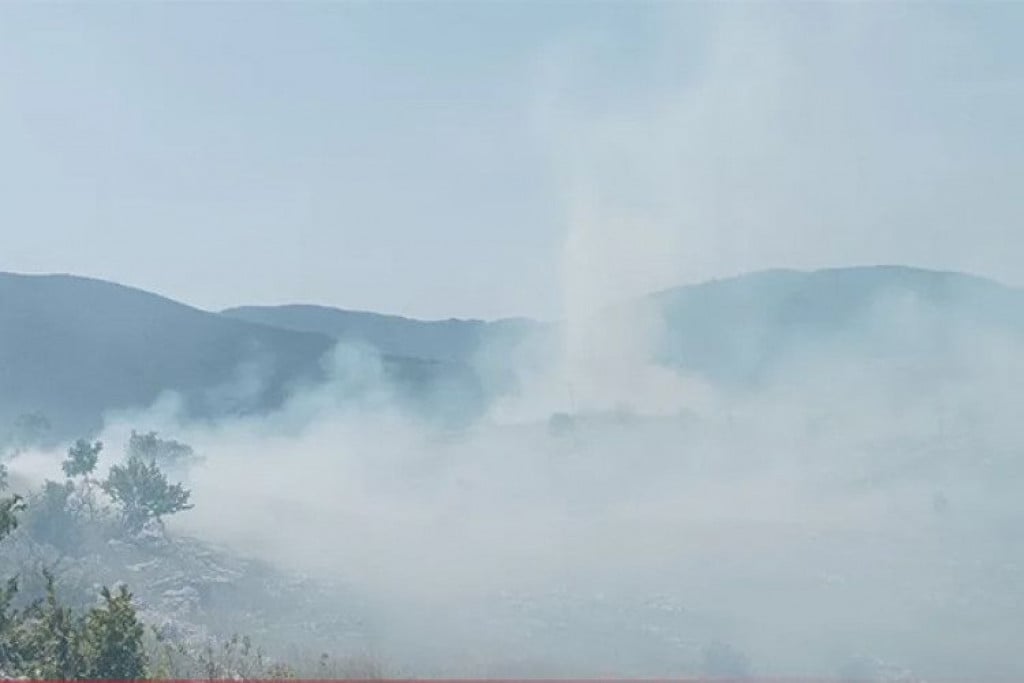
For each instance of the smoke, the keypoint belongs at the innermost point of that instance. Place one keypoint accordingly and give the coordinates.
(839, 511)
(835, 513)
(611, 513)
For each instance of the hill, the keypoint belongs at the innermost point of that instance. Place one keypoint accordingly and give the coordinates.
(755, 327)
(739, 330)
(72, 348)
(440, 340)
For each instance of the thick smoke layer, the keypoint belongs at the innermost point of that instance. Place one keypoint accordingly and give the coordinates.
(844, 515)
(615, 515)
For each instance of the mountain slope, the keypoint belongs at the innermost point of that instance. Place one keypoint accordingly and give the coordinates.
(737, 330)
(753, 326)
(441, 340)
(73, 347)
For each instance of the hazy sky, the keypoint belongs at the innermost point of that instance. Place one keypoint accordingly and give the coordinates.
(502, 159)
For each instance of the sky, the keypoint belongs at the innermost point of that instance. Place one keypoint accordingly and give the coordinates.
(503, 159)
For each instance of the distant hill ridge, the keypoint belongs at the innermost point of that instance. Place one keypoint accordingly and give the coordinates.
(71, 347)
(452, 339)
(745, 327)
(74, 347)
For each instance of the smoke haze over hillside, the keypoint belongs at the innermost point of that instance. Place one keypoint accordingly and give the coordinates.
(624, 521)
(784, 473)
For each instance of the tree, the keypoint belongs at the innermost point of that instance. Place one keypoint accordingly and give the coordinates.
(53, 517)
(82, 458)
(54, 513)
(112, 639)
(8, 519)
(47, 640)
(143, 493)
(81, 462)
(9, 507)
(50, 642)
(165, 452)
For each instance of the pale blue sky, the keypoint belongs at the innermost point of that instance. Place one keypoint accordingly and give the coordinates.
(436, 159)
